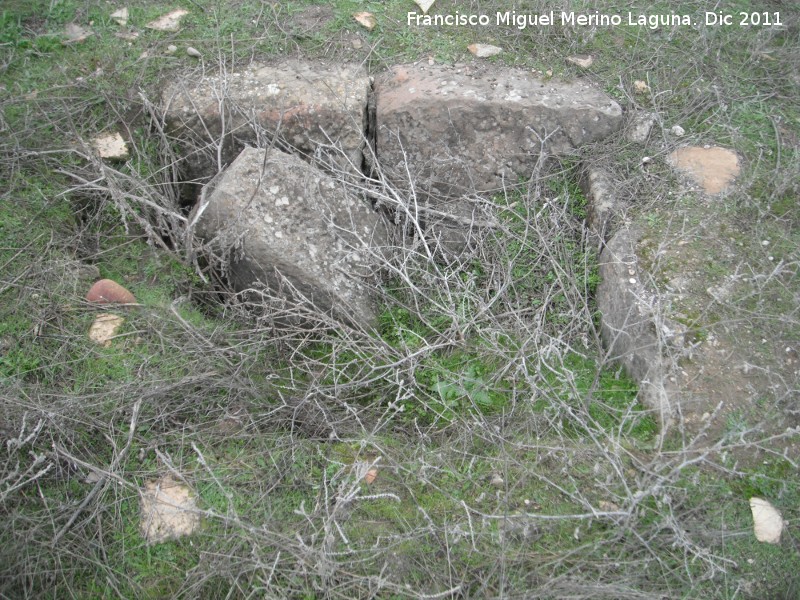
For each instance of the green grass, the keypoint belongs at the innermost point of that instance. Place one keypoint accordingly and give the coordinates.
(495, 445)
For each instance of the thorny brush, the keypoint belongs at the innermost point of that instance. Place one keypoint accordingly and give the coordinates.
(497, 475)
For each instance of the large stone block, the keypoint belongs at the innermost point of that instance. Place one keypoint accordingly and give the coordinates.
(271, 219)
(303, 107)
(633, 326)
(457, 133)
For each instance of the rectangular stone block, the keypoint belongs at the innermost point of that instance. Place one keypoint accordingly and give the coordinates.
(298, 107)
(275, 223)
(456, 133)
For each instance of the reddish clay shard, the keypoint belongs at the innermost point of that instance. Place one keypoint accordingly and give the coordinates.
(107, 291)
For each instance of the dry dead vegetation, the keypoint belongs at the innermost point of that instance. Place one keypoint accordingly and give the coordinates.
(480, 444)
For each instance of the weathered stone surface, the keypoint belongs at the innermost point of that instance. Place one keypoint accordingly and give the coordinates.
(366, 19)
(632, 326)
(111, 146)
(598, 186)
(693, 374)
(107, 291)
(304, 107)
(640, 126)
(281, 222)
(457, 133)
(453, 227)
(584, 61)
(104, 328)
(677, 131)
(168, 510)
(120, 16)
(714, 168)
(768, 523)
(168, 22)
(484, 50)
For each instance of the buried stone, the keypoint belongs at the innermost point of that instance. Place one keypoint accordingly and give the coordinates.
(440, 135)
(446, 138)
(447, 133)
(307, 108)
(289, 235)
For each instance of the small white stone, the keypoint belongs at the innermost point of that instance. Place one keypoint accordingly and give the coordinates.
(366, 20)
(765, 243)
(111, 145)
(632, 280)
(767, 521)
(169, 22)
(582, 61)
(105, 328)
(120, 16)
(484, 50)
(678, 131)
(168, 510)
